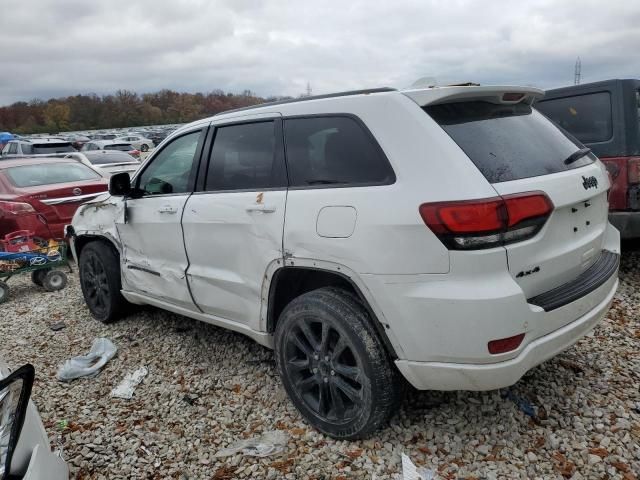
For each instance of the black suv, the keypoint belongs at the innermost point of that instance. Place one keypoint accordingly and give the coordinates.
(605, 116)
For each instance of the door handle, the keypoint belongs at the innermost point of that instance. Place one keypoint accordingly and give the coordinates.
(167, 209)
(260, 207)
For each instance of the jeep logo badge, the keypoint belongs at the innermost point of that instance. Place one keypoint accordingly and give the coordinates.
(589, 182)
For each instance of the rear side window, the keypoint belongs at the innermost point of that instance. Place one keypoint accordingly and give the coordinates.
(586, 117)
(244, 157)
(333, 151)
(13, 148)
(507, 142)
(49, 174)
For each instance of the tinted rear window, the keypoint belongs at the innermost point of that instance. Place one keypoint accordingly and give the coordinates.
(586, 117)
(333, 150)
(123, 147)
(106, 158)
(46, 148)
(507, 142)
(49, 174)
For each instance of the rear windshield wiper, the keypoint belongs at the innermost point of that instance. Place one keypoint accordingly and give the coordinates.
(575, 156)
(321, 181)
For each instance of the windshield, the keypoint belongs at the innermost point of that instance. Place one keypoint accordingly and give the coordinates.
(507, 142)
(48, 174)
(48, 148)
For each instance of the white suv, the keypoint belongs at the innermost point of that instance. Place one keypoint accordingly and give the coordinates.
(451, 236)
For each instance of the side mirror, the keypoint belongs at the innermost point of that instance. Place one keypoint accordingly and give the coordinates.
(15, 391)
(120, 184)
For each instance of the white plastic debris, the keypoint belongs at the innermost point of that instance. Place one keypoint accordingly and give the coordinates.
(101, 352)
(128, 385)
(269, 443)
(411, 472)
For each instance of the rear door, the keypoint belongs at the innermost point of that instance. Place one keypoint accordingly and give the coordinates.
(233, 226)
(518, 150)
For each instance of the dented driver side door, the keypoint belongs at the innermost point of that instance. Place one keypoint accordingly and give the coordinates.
(154, 257)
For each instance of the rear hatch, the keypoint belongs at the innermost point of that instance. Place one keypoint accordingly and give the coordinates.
(519, 151)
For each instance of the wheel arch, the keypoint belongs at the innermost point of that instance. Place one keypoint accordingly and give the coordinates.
(291, 280)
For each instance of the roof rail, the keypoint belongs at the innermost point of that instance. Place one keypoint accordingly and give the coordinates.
(313, 97)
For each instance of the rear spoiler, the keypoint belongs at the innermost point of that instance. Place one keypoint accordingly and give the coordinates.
(499, 94)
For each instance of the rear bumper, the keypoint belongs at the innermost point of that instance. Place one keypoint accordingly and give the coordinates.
(627, 222)
(458, 376)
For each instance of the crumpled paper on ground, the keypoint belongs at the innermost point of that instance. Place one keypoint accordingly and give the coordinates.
(131, 381)
(269, 443)
(102, 350)
(411, 472)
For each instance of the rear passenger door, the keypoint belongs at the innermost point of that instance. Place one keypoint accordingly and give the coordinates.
(233, 225)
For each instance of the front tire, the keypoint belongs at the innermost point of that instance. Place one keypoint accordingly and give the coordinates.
(100, 281)
(334, 366)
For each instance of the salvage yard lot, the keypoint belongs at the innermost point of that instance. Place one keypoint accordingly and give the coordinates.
(208, 387)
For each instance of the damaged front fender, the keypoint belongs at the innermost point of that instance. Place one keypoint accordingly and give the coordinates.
(98, 218)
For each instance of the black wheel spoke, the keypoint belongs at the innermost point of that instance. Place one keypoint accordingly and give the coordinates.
(302, 345)
(324, 399)
(311, 339)
(338, 403)
(324, 339)
(339, 348)
(306, 384)
(351, 373)
(299, 364)
(351, 393)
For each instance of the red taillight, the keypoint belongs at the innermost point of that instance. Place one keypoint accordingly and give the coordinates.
(16, 208)
(633, 170)
(476, 224)
(504, 345)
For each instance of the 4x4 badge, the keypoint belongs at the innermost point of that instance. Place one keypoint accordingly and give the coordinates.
(589, 182)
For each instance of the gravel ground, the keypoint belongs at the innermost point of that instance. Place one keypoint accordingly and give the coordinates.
(576, 416)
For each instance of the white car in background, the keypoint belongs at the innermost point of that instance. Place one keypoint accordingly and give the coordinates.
(139, 142)
(25, 451)
(108, 161)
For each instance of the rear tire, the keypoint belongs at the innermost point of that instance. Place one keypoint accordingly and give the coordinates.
(100, 281)
(54, 280)
(4, 292)
(37, 276)
(144, 147)
(334, 366)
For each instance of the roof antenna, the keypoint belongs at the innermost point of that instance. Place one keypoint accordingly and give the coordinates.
(577, 72)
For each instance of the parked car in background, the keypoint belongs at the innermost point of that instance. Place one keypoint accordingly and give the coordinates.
(110, 161)
(96, 145)
(25, 451)
(103, 136)
(605, 116)
(139, 142)
(77, 141)
(35, 146)
(452, 236)
(42, 194)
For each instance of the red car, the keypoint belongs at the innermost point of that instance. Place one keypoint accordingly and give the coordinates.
(42, 194)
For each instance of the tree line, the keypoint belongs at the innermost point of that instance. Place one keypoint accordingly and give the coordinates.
(122, 109)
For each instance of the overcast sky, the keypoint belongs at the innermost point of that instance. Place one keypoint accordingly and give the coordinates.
(52, 48)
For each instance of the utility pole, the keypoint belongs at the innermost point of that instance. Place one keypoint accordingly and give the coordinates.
(577, 72)
(308, 89)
